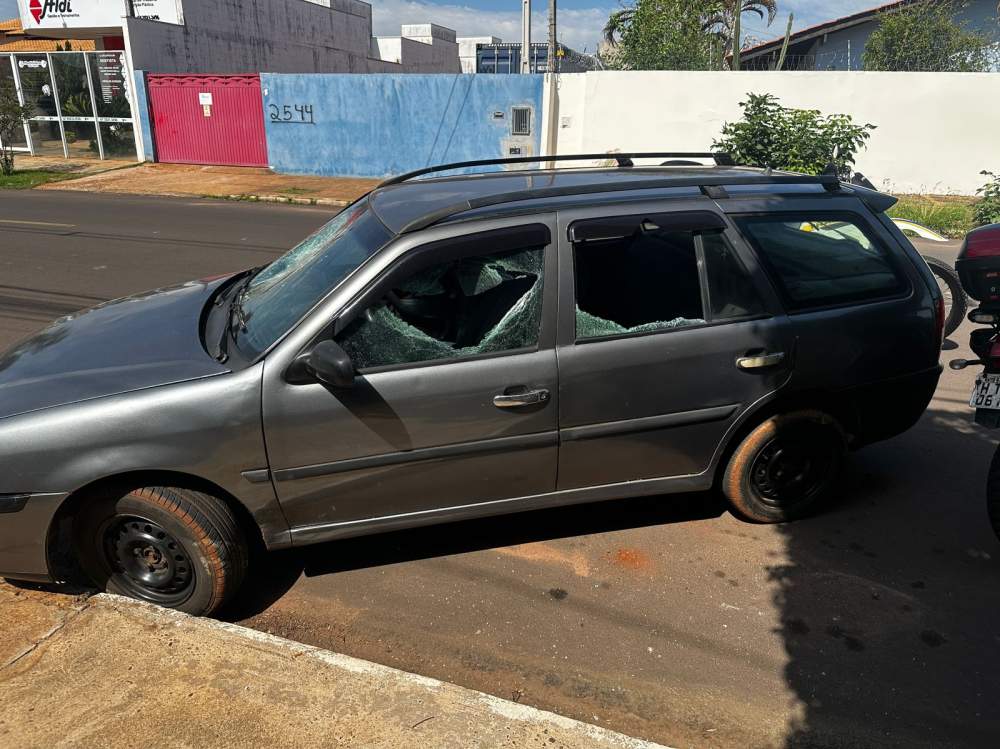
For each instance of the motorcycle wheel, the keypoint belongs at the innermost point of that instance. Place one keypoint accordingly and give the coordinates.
(955, 302)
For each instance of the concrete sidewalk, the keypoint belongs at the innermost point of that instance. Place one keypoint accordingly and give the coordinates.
(242, 183)
(105, 671)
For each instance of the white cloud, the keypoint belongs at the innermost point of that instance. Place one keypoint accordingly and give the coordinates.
(579, 28)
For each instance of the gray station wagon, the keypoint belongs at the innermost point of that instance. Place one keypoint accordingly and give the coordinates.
(460, 346)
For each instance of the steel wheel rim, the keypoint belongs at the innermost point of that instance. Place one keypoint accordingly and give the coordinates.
(785, 474)
(146, 561)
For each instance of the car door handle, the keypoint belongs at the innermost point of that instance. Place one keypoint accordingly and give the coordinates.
(519, 400)
(760, 361)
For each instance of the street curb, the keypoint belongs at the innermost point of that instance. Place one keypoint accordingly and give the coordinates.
(283, 199)
(503, 709)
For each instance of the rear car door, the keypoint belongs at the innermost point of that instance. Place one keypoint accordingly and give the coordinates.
(455, 402)
(863, 313)
(668, 334)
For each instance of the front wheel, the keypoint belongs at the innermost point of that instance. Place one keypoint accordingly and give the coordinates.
(177, 548)
(955, 302)
(785, 467)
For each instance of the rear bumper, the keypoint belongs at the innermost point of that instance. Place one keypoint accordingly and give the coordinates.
(889, 408)
(24, 538)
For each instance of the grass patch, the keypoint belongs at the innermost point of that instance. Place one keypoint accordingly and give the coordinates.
(950, 215)
(25, 179)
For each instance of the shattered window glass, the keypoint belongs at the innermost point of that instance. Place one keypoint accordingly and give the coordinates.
(637, 284)
(462, 308)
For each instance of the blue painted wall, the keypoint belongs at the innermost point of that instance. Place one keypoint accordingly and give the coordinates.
(144, 122)
(378, 125)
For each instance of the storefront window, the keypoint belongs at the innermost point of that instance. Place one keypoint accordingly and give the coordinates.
(119, 140)
(36, 83)
(81, 139)
(7, 78)
(93, 115)
(110, 80)
(71, 82)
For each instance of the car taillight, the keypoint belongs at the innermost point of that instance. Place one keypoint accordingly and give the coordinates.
(939, 319)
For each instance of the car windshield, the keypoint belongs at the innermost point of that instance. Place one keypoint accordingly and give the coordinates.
(281, 294)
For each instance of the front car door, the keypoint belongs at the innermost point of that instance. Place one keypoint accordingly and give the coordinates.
(455, 402)
(668, 335)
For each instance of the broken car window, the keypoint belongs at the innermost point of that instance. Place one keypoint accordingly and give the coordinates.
(641, 283)
(462, 308)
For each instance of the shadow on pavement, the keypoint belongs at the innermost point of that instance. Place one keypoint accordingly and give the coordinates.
(272, 575)
(890, 603)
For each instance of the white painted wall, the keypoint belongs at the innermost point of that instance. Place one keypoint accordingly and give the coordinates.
(936, 131)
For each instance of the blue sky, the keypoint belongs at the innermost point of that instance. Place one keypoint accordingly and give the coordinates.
(580, 21)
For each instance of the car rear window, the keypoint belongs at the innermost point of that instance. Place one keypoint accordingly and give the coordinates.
(822, 260)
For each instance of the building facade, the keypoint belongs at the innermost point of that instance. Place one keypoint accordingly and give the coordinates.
(839, 44)
(86, 101)
(488, 55)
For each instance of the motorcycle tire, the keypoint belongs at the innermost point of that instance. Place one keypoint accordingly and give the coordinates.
(955, 302)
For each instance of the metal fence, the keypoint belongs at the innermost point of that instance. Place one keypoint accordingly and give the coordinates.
(84, 103)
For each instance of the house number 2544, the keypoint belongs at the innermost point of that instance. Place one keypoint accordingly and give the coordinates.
(293, 114)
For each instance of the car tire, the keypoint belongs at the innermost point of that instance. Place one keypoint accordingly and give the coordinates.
(785, 467)
(176, 548)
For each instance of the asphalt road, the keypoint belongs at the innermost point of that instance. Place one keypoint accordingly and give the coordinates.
(874, 624)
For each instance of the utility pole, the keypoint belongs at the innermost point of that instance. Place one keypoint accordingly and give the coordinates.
(552, 36)
(788, 39)
(525, 36)
(737, 41)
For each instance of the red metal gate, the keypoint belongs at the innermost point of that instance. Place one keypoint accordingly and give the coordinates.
(208, 119)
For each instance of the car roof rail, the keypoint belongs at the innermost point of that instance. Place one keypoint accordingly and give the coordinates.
(624, 160)
(713, 185)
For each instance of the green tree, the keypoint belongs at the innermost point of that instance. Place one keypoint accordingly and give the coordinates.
(12, 118)
(987, 208)
(678, 34)
(925, 36)
(797, 140)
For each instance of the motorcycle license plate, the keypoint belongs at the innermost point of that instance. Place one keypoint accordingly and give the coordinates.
(986, 393)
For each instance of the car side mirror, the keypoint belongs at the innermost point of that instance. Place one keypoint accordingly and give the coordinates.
(330, 365)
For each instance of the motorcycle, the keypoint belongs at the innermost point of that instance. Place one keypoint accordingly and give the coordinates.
(955, 301)
(979, 272)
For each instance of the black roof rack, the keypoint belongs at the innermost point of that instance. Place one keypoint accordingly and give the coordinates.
(623, 159)
(712, 185)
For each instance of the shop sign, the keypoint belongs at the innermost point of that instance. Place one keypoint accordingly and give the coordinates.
(78, 14)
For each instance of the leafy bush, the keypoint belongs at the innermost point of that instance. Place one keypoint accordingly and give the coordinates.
(925, 36)
(951, 216)
(987, 208)
(798, 140)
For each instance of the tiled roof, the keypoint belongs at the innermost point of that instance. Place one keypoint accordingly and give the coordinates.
(12, 39)
(827, 26)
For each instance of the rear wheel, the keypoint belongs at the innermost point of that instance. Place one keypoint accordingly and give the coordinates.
(785, 467)
(173, 547)
(955, 302)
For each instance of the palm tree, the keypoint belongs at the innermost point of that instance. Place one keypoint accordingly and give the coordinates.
(718, 17)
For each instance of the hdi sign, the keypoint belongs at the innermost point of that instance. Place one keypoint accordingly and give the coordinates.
(79, 14)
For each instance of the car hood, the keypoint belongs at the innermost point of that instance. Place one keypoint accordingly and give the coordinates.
(129, 344)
